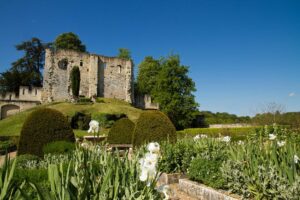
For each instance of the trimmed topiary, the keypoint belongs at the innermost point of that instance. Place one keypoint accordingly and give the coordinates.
(42, 127)
(153, 126)
(121, 132)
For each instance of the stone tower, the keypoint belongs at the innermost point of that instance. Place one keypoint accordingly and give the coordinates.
(101, 76)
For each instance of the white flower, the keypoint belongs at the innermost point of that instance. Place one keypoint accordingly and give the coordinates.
(153, 147)
(149, 162)
(144, 175)
(240, 142)
(94, 127)
(203, 136)
(281, 143)
(296, 159)
(197, 137)
(272, 136)
(85, 145)
(226, 139)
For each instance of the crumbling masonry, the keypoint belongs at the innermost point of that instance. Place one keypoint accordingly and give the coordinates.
(101, 76)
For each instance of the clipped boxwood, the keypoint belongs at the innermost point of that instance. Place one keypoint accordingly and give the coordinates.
(121, 132)
(42, 127)
(59, 147)
(153, 126)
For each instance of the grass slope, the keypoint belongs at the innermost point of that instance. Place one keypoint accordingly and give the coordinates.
(11, 126)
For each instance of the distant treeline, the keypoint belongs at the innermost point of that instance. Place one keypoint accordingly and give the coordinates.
(205, 118)
(288, 118)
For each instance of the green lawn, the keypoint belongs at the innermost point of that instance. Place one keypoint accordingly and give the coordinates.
(11, 126)
(235, 133)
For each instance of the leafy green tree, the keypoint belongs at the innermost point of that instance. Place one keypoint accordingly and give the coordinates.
(75, 81)
(148, 71)
(174, 92)
(124, 53)
(168, 83)
(69, 41)
(26, 70)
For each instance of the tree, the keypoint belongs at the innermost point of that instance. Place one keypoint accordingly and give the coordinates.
(168, 84)
(10, 81)
(148, 71)
(124, 53)
(26, 70)
(69, 41)
(75, 81)
(269, 113)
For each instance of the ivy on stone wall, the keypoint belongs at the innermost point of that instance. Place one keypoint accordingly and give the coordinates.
(75, 81)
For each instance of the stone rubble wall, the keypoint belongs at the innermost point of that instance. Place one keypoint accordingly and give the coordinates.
(25, 94)
(101, 76)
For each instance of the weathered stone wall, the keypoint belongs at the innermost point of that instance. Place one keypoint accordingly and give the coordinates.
(25, 94)
(101, 76)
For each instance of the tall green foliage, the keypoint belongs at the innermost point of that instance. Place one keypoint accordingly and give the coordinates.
(69, 41)
(124, 53)
(75, 81)
(168, 83)
(27, 69)
(147, 76)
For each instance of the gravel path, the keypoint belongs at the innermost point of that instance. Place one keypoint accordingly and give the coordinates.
(178, 194)
(11, 155)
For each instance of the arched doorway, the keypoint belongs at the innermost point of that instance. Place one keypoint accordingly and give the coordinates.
(8, 110)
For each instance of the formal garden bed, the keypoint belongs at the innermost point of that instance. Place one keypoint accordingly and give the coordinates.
(53, 164)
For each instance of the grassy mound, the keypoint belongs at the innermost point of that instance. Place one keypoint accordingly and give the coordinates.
(12, 125)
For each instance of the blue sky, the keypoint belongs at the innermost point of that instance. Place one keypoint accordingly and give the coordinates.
(241, 54)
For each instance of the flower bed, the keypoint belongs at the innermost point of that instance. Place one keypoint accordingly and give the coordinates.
(265, 166)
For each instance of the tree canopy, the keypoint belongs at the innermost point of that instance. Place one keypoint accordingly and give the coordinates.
(26, 70)
(168, 83)
(124, 53)
(69, 41)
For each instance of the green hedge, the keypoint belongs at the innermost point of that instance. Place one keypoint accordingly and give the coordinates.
(234, 133)
(59, 147)
(153, 126)
(121, 132)
(42, 127)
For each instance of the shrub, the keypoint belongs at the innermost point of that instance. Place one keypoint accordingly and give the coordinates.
(207, 171)
(153, 126)
(121, 132)
(42, 127)
(107, 120)
(83, 101)
(75, 81)
(177, 157)
(22, 160)
(205, 168)
(59, 147)
(80, 121)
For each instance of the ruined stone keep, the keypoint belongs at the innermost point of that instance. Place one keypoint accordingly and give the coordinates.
(101, 76)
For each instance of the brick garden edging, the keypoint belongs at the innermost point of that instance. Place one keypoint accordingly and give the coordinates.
(203, 192)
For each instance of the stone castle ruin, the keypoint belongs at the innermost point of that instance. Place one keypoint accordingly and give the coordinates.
(100, 76)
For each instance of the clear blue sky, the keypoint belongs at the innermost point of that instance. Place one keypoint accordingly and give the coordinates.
(241, 53)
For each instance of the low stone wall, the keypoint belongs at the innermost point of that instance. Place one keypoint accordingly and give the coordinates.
(203, 192)
(170, 178)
